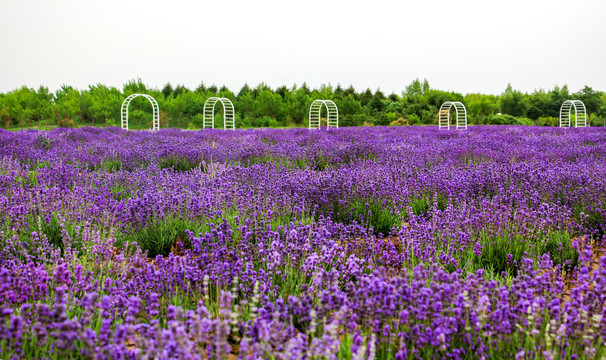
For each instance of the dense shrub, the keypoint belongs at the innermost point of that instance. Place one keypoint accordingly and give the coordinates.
(66, 123)
(352, 120)
(5, 118)
(399, 122)
(413, 119)
(597, 121)
(547, 121)
(507, 120)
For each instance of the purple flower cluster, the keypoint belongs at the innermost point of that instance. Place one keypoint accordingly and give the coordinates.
(357, 243)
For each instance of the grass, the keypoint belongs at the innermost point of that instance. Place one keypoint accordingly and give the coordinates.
(422, 204)
(177, 163)
(502, 254)
(43, 142)
(58, 231)
(112, 165)
(161, 235)
(369, 212)
(30, 180)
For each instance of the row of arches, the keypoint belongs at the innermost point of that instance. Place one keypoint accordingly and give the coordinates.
(229, 122)
(566, 110)
(208, 117)
(332, 113)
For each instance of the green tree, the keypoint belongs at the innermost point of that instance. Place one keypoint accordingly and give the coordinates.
(349, 106)
(592, 100)
(105, 104)
(349, 91)
(86, 108)
(425, 86)
(5, 118)
(415, 89)
(339, 93)
(298, 104)
(366, 97)
(226, 93)
(305, 89)
(556, 97)
(268, 103)
(167, 90)
(435, 98)
(245, 105)
(377, 102)
(537, 104)
(481, 106)
(244, 90)
(513, 102)
(193, 104)
(135, 86)
(325, 92)
(282, 90)
(67, 103)
(201, 88)
(602, 111)
(44, 106)
(398, 106)
(180, 90)
(26, 105)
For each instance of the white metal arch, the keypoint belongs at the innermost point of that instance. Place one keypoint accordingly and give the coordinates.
(580, 113)
(332, 116)
(209, 113)
(156, 110)
(444, 115)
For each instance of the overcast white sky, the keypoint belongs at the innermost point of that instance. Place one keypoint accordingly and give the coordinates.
(466, 46)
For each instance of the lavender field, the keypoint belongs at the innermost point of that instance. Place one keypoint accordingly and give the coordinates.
(359, 243)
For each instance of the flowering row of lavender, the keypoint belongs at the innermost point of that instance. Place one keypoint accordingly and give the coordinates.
(361, 243)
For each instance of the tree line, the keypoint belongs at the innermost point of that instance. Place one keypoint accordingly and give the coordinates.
(262, 106)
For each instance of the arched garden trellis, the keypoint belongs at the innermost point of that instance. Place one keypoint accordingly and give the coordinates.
(332, 114)
(209, 113)
(155, 107)
(444, 115)
(580, 113)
